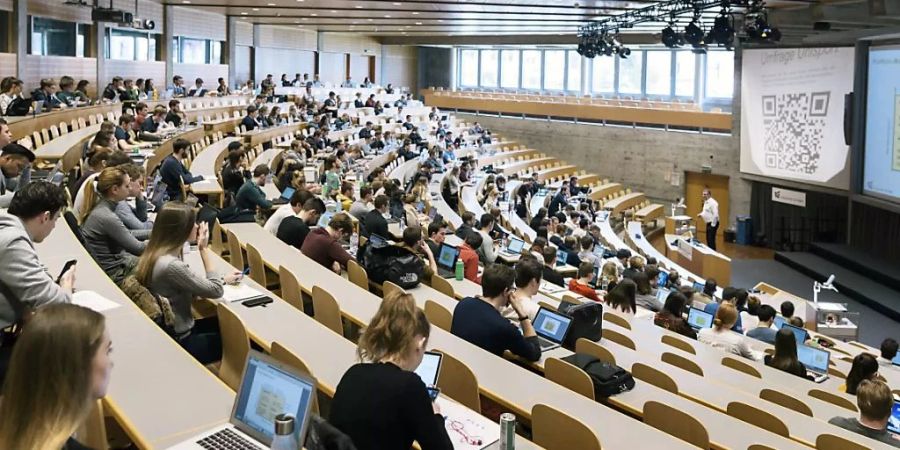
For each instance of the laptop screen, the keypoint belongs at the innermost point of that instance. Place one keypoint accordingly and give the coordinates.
(814, 359)
(551, 325)
(662, 278)
(266, 391)
(287, 193)
(515, 246)
(894, 421)
(779, 322)
(377, 240)
(896, 359)
(561, 257)
(698, 286)
(662, 294)
(699, 318)
(447, 257)
(799, 333)
(324, 219)
(429, 368)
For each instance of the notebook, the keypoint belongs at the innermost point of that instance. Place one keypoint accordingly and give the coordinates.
(551, 328)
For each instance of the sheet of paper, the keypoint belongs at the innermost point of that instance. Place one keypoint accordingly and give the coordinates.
(468, 430)
(238, 292)
(93, 300)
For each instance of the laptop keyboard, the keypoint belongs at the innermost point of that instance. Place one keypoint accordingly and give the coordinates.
(545, 343)
(226, 439)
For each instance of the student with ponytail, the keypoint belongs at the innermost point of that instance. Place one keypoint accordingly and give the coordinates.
(720, 335)
(112, 244)
(398, 411)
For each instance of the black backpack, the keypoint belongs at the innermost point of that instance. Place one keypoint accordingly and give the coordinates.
(386, 262)
(587, 322)
(609, 379)
(18, 107)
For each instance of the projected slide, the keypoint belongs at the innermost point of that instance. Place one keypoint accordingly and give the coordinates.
(792, 113)
(881, 165)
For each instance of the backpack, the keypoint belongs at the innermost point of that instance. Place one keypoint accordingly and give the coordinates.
(18, 107)
(609, 379)
(386, 262)
(587, 322)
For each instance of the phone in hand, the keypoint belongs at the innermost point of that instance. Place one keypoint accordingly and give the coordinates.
(65, 269)
(433, 392)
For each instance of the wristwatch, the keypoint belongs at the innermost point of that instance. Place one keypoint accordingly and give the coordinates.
(523, 318)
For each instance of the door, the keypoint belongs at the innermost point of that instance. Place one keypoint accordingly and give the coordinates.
(695, 183)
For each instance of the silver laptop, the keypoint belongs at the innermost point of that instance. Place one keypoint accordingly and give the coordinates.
(268, 389)
(551, 328)
(514, 247)
(815, 360)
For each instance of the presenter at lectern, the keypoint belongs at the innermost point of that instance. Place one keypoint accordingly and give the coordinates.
(710, 215)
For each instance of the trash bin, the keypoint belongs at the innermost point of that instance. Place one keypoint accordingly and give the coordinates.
(744, 230)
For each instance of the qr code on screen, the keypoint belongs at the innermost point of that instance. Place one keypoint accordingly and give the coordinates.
(795, 128)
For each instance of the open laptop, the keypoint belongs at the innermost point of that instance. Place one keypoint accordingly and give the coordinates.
(267, 389)
(799, 333)
(894, 421)
(446, 261)
(561, 257)
(896, 359)
(815, 360)
(514, 247)
(285, 197)
(698, 286)
(551, 328)
(662, 278)
(699, 319)
(429, 370)
(324, 219)
(662, 294)
(779, 322)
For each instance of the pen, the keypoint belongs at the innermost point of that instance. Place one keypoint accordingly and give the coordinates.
(246, 271)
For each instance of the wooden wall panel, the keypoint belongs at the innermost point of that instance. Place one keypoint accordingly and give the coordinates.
(37, 67)
(332, 67)
(7, 65)
(244, 33)
(349, 43)
(399, 65)
(287, 37)
(279, 60)
(156, 70)
(209, 72)
(199, 24)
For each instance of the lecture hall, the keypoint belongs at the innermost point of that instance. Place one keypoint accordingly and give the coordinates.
(449, 224)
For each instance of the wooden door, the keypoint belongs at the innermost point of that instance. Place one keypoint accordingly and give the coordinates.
(695, 183)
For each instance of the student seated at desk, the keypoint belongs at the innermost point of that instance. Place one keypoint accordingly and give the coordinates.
(469, 256)
(478, 319)
(671, 317)
(785, 357)
(323, 244)
(645, 296)
(125, 138)
(888, 353)
(162, 270)
(635, 265)
(487, 250)
(251, 196)
(413, 243)
(374, 221)
(15, 173)
(54, 382)
(95, 163)
(294, 228)
(46, 95)
(875, 405)
(622, 297)
(720, 335)
(135, 218)
(581, 283)
(250, 122)
(764, 330)
(864, 367)
(587, 251)
(175, 116)
(399, 411)
(234, 172)
(292, 208)
(550, 273)
(749, 307)
(173, 172)
(10, 90)
(528, 283)
(110, 242)
(361, 206)
(730, 296)
(5, 135)
(345, 196)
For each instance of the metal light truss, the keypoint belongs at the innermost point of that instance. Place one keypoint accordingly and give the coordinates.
(661, 12)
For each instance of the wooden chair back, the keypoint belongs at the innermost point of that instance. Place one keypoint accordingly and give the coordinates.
(235, 253)
(760, 447)
(758, 417)
(787, 401)
(833, 398)
(389, 287)
(217, 244)
(655, 377)
(678, 343)
(680, 362)
(555, 430)
(326, 310)
(357, 275)
(458, 381)
(618, 320)
(285, 356)
(235, 346)
(442, 285)
(676, 423)
(290, 288)
(836, 373)
(438, 316)
(618, 338)
(832, 442)
(257, 266)
(594, 349)
(740, 366)
(569, 376)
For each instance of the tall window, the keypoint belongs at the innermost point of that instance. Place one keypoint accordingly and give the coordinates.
(573, 71)
(720, 74)
(554, 69)
(685, 73)
(489, 68)
(509, 69)
(468, 65)
(631, 72)
(531, 69)
(131, 45)
(603, 75)
(52, 37)
(193, 51)
(659, 73)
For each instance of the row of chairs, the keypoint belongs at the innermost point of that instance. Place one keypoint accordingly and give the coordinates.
(622, 101)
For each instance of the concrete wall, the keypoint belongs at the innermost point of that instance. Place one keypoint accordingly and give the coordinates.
(642, 159)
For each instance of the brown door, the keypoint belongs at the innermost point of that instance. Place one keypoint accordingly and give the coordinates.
(371, 68)
(695, 183)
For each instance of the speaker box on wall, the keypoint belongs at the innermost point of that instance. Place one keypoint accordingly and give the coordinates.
(848, 118)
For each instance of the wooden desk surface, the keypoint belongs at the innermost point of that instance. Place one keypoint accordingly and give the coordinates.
(260, 136)
(513, 167)
(600, 192)
(502, 156)
(554, 172)
(620, 204)
(204, 164)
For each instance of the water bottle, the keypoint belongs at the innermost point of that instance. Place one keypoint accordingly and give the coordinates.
(507, 431)
(284, 433)
(459, 270)
(604, 283)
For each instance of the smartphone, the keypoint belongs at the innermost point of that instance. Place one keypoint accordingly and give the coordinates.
(66, 268)
(257, 301)
(433, 392)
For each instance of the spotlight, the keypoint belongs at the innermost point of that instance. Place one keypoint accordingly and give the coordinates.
(722, 31)
(671, 38)
(623, 52)
(758, 29)
(693, 34)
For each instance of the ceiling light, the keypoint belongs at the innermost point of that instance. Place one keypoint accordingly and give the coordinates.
(370, 20)
(243, 13)
(693, 34)
(333, 11)
(270, 4)
(314, 15)
(186, 2)
(397, 3)
(256, 9)
(415, 13)
(418, 23)
(359, 6)
(387, 16)
(671, 38)
(722, 31)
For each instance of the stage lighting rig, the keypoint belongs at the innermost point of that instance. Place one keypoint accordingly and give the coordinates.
(671, 38)
(722, 31)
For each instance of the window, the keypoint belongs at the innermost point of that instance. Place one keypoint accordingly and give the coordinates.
(489, 68)
(603, 77)
(509, 69)
(468, 68)
(659, 73)
(196, 51)
(57, 38)
(719, 74)
(685, 73)
(554, 69)
(631, 72)
(531, 69)
(215, 52)
(573, 71)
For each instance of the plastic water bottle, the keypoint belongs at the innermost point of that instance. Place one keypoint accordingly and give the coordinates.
(284, 433)
(459, 269)
(604, 283)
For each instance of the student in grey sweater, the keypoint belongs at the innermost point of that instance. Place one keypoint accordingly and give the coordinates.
(113, 245)
(135, 217)
(164, 272)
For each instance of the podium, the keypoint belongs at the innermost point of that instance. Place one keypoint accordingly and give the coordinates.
(680, 224)
(698, 258)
